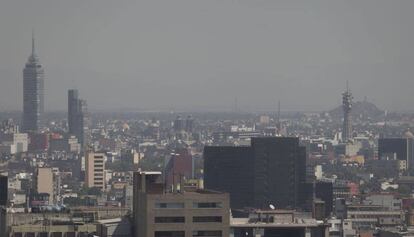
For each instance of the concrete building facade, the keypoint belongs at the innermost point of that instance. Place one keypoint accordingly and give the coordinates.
(177, 214)
(95, 170)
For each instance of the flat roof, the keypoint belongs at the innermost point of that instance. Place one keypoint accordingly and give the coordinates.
(300, 223)
(149, 172)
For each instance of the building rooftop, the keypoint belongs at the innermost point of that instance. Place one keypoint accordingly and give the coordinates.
(150, 172)
(298, 222)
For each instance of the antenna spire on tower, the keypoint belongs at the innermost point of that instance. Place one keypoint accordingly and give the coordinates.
(278, 115)
(33, 43)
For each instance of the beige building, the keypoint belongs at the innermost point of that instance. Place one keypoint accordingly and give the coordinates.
(95, 170)
(44, 182)
(183, 213)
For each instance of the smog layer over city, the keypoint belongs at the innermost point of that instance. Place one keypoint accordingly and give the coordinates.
(191, 118)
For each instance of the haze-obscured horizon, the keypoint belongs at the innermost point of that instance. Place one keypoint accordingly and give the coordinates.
(204, 54)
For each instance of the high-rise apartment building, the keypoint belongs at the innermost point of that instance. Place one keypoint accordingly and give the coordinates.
(33, 92)
(77, 117)
(181, 213)
(95, 170)
(347, 107)
(270, 171)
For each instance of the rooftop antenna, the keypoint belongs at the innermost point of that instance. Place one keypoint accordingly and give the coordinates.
(278, 116)
(33, 42)
(384, 132)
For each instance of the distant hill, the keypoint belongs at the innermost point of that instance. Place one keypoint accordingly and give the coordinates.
(360, 109)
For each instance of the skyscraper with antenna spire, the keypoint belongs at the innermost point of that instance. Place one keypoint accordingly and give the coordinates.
(33, 92)
(347, 107)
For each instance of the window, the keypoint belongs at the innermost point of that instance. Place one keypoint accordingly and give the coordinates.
(169, 219)
(169, 234)
(169, 205)
(56, 234)
(207, 205)
(207, 219)
(210, 233)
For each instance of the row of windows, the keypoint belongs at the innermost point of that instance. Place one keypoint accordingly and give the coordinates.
(181, 219)
(169, 205)
(211, 233)
(207, 219)
(195, 205)
(375, 216)
(200, 233)
(45, 234)
(207, 205)
(169, 219)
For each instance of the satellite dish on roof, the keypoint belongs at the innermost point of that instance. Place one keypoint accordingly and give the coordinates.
(272, 207)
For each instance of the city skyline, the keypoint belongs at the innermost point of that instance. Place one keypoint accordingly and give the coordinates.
(326, 45)
(206, 118)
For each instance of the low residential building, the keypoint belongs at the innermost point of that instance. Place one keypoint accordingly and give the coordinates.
(386, 200)
(367, 216)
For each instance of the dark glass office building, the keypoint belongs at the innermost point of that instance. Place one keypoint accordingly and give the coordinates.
(77, 119)
(230, 169)
(397, 149)
(3, 190)
(270, 171)
(392, 148)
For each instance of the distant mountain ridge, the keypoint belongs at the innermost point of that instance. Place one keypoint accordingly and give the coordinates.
(360, 109)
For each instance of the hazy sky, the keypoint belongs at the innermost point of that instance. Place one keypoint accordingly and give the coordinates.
(203, 54)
